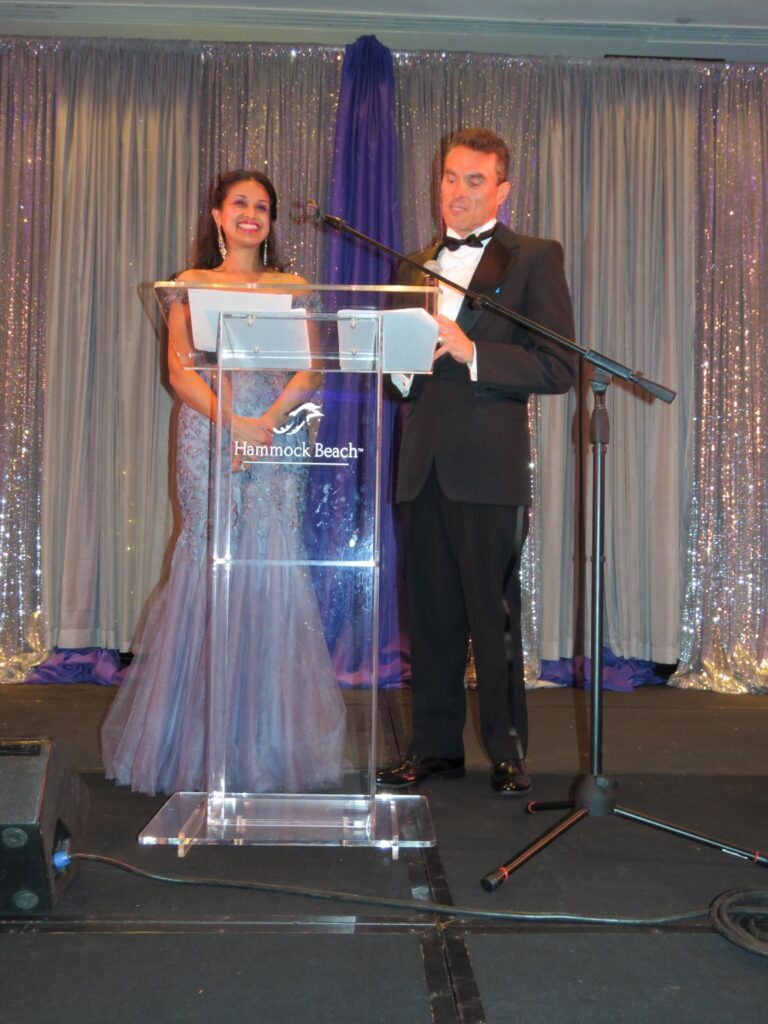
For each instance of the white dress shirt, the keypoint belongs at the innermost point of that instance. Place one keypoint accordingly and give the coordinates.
(459, 267)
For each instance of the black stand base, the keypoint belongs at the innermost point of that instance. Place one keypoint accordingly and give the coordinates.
(596, 795)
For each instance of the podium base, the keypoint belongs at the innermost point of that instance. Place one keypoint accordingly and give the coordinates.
(289, 819)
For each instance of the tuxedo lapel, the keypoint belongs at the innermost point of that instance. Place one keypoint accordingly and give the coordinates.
(418, 277)
(496, 261)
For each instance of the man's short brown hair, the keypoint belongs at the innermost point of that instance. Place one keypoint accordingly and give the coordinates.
(484, 141)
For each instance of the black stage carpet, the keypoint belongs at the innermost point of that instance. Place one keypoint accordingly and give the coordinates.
(121, 949)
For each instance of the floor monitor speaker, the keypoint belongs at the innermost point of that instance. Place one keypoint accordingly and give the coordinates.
(43, 810)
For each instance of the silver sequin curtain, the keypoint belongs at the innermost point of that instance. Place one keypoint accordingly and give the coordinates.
(724, 635)
(28, 75)
(141, 127)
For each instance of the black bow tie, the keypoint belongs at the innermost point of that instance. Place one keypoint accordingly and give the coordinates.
(473, 241)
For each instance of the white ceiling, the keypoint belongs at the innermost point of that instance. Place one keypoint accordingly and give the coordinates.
(737, 30)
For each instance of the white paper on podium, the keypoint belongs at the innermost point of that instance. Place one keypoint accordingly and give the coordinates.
(409, 339)
(205, 305)
(266, 341)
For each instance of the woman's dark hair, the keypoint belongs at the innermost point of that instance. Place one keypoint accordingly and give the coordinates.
(205, 252)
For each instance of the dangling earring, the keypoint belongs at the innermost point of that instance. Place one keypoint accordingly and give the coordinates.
(264, 255)
(222, 244)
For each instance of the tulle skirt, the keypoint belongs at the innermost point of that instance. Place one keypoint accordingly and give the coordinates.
(283, 726)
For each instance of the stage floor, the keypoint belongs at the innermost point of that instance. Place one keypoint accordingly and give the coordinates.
(120, 948)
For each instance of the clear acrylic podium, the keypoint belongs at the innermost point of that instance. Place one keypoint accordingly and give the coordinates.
(340, 341)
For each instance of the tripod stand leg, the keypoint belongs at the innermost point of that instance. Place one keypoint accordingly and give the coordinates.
(548, 805)
(756, 856)
(494, 879)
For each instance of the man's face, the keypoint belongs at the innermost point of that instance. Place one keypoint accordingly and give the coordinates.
(470, 192)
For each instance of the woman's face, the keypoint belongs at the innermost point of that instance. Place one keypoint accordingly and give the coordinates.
(244, 215)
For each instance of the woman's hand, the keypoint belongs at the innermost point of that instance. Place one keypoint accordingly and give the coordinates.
(252, 430)
(249, 430)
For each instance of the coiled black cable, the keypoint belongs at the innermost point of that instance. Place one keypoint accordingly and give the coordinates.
(741, 916)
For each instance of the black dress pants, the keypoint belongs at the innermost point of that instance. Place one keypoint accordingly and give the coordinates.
(463, 577)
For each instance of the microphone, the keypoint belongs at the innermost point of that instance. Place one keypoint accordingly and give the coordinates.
(313, 209)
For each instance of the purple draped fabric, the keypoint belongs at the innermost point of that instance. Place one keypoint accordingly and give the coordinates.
(618, 673)
(78, 665)
(364, 194)
(364, 187)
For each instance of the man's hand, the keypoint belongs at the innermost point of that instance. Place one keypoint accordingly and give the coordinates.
(453, 341)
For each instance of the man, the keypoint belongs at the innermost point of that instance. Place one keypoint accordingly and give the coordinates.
(464, 470)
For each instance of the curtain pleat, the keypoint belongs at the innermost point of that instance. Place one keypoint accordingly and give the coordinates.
(125, 116)
(617, 188)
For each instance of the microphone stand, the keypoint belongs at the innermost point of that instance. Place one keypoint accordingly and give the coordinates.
(478, 300)
(595, 794)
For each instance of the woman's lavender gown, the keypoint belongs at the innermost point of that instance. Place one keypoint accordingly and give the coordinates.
(285, 717)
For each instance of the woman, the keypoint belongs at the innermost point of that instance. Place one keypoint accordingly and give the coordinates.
(285, 720)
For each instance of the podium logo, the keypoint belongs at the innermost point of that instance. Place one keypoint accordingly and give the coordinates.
(300, 417)
(298, 450)
(303, 452)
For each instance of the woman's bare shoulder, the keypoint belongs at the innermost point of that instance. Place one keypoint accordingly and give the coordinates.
(193, 275)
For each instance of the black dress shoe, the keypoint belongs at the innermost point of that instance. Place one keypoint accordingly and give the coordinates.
(510, 778)
(417, 767)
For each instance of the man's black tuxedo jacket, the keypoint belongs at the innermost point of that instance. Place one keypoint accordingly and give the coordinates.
(477, 433)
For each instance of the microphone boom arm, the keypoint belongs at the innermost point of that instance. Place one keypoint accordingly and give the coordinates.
(602, 362)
